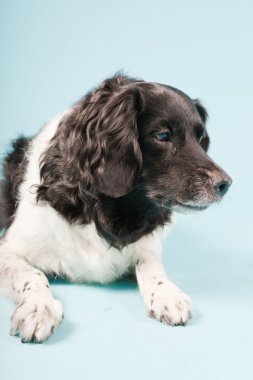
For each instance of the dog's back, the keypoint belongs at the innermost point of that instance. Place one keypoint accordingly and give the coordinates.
(13, 172)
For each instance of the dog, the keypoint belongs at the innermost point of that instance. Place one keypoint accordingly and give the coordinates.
(90, 196)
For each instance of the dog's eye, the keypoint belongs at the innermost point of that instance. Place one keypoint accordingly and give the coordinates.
(163, 136)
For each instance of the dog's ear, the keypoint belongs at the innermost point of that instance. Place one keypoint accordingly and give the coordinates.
(205, 142)
(119, 167)
(201, 110)
(94, 151)
(102, 140)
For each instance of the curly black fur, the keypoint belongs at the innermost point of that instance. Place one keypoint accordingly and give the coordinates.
(14, 167)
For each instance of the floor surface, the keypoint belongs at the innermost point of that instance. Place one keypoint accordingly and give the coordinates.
(52, 53)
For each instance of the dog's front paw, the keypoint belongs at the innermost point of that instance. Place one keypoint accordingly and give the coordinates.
(168, 304)
(36, 318)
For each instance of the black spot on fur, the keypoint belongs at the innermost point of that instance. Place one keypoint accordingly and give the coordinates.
(25, 285)
(14, 167)
(20, 305)
(152, 314)
(48, 311)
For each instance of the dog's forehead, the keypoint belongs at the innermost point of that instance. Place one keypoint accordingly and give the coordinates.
(178, 100)
(171, 102)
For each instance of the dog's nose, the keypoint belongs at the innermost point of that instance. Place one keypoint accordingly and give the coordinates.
(222, 187)
(221, 183)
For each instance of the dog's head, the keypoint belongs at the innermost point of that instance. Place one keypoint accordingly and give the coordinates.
(177, 172)
(152, 136)
(130, 134)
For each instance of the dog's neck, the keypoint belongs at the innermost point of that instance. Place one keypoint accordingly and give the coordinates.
(124, 220)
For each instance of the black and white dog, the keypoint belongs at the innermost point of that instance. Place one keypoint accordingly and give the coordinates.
(89, 196)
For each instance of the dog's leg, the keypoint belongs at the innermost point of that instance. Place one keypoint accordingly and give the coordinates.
(37, 314)
(163, 300)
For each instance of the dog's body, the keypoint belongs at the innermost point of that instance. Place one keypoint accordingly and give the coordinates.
(89, 197)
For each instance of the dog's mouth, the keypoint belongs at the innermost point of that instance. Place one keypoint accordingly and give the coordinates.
(200, 203)
(183, 206)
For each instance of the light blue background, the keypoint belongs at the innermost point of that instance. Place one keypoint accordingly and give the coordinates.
(52, 52)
